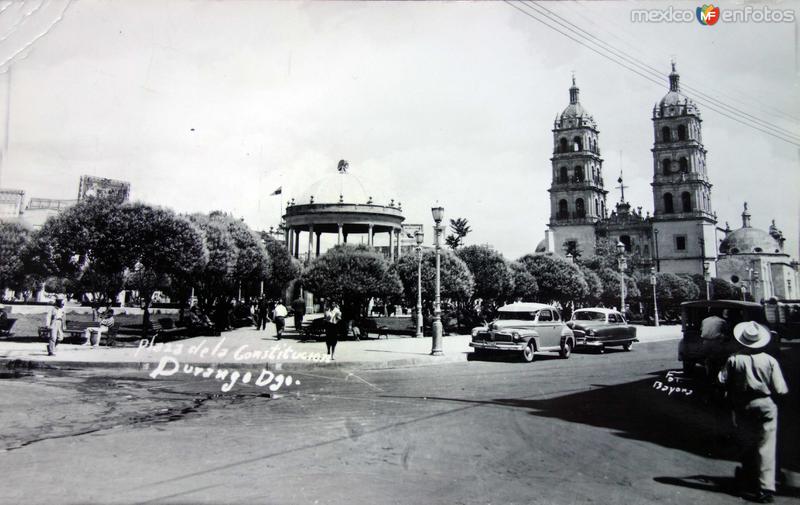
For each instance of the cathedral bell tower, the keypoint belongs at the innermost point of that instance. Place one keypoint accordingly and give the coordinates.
(577, 197)
(683, 220)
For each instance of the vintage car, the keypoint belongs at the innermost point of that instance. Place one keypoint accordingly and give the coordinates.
(691, 350)
(526, 328)
(599, 328)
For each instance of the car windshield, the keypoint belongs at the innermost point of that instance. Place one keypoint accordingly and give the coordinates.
(588, 315)
(520, 316)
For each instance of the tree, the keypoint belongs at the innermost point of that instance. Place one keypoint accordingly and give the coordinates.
(595, 285)
(214, 280)
(352, 275)
(460, 228)
(14, 239)
(720, 289)
(610, 293)
(283, 268)
(252, 260)
(167, 253)
(494, 280)
(559, 280)
(671, 290)
(457, 282)
(525, 288)
(88, 245)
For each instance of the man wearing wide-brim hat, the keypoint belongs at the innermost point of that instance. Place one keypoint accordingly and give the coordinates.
(751, 378)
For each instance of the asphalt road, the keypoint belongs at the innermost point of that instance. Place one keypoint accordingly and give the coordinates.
(591, 429)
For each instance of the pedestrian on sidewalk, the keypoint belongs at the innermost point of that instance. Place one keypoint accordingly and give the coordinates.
(751, 378)
(279, 318)
(333, 316)
(261, 313)
(55, 321)
(299, 308)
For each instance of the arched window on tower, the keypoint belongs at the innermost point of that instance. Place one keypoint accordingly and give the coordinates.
(578, 174)
(563, 145)
(562, 175)
(580, 209)
(668, 207)
(596, 207)
(626, 241)
(666, 166)
(665, 134)
(563, 210)
(684, 164)
(577, 144)
(686, 202)
(603, 209)
(681, 132)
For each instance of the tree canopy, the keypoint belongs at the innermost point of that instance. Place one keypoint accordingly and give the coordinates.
(352, 275)
(14, 239)
(457, 282)
(558, 279)
(460, 228)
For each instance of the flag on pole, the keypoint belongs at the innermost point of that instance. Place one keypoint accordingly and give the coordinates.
(277, 191)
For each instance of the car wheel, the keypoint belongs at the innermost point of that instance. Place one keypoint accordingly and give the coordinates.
(566, 349)
(627, 346)
(601, 349)
(528, 353)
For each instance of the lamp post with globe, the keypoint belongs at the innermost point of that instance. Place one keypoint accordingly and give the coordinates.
(622, 263)
(436, 349)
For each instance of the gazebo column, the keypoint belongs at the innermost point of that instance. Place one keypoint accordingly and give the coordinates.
(318, 235)
(310, 240)
(296, 248)
(371, 236)
(339, 240)
(398, 244)
(286, 234)
(391, 249)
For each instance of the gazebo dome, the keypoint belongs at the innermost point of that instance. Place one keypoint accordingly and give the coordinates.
(542, 246)
(340, 187)
(749, 241)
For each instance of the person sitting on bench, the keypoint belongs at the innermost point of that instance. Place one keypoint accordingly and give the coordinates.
(106, 322)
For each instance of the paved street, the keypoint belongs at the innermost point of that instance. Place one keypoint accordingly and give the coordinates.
(591, 429)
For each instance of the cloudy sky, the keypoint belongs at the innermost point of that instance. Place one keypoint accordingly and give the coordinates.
(213, 105)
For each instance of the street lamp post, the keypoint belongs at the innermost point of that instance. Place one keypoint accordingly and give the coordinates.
(655, 243)
(419, 238)
(655, 300)
(707, 278)
(436, 349)
(622, 264)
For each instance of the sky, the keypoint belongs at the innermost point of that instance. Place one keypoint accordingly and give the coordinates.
(206, 105)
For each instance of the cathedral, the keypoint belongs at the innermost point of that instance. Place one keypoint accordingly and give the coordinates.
(681, 236)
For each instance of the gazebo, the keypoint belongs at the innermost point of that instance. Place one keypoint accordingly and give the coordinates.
(340, 204)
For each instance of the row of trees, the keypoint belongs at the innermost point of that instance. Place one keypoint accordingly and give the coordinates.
(477, 280)
(97, 248)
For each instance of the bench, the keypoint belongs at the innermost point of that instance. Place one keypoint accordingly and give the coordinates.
(6, 325)
(77, 329)
(369, 325)
(314, 328)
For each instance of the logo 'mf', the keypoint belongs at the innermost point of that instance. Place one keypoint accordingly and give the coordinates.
(707, 15)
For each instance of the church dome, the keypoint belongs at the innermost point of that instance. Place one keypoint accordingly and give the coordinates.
(674, 102)
(341, 187)
(749, 241)
(542, 246)
(575, 115)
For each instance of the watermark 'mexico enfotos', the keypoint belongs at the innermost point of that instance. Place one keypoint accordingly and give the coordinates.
(709, 15)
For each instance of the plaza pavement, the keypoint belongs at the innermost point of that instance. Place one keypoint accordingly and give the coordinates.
(248, 347)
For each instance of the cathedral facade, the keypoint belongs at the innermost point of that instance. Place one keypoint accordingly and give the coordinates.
(680, 235)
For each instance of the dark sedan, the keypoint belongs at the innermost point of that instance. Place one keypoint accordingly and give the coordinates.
(599, 328)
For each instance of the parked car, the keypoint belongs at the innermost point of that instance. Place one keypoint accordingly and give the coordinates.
(691, 350)
(525, 328)
(599, 328)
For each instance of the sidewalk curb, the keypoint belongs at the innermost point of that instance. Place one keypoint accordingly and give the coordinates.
(288, 366)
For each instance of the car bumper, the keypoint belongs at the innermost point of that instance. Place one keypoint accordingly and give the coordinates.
(597, 342)
(499, 346)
